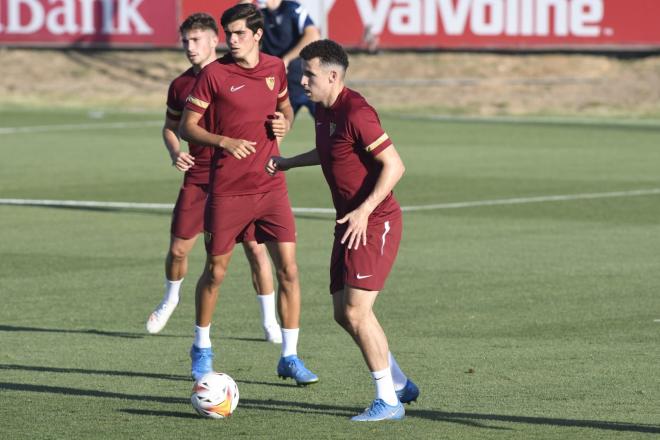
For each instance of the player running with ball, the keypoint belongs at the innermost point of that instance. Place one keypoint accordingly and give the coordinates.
(361, 167)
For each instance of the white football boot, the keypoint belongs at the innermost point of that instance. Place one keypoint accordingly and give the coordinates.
(159, 317)
(273, 333)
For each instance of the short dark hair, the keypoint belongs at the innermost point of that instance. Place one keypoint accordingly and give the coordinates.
(198, 20)
(243, 11)
(327, 51)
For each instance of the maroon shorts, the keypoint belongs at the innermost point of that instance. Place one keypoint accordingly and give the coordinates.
(188, 214)
(367, 267)
(261, 217)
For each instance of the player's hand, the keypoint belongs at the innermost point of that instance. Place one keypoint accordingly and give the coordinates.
(356, 232)
(239, 148)
(275, 164)
(279, 125)
(183, 161)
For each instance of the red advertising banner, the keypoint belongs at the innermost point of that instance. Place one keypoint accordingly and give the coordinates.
(215, 7)
(394, 24)
(503, 24)
(90, 23)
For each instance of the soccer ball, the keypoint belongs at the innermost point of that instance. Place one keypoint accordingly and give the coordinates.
(215, 395)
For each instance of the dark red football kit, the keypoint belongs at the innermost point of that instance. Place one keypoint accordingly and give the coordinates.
(188, 214)
(348, 137)
(238, 102)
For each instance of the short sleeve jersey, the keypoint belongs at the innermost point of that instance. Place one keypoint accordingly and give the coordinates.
(348, 137)
(177, 94)
(284, 27)
(238, 103)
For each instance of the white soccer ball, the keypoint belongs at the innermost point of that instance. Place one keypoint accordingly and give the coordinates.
(215, 395)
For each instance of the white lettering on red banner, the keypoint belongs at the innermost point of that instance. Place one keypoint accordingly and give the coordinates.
(74, 17)
(578, 18)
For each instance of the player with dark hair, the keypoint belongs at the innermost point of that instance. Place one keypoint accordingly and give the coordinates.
(288, 28)
(243, 98)
(199, 37)
(362, 167)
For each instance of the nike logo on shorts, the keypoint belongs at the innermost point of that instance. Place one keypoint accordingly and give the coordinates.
(361, 277)
(236, 88)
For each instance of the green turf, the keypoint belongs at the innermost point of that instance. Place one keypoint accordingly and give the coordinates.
(516, 321)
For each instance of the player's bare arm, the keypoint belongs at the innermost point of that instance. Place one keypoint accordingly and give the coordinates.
(182, 160)
(310, 33)
(192, 132)
(278, 163)
(358, 219)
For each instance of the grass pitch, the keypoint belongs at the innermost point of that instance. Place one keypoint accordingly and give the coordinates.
(528, 320)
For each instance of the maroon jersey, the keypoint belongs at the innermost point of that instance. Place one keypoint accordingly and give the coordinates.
(241, 101)
(348, 137)
(177, 94)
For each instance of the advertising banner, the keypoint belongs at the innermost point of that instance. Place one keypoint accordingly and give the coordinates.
(89, 23)
(387, 24)
(215, 7)
(503, 24)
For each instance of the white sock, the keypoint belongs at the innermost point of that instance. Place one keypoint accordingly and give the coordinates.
(267, 308)
(202, 336)
(398, 377)
(172, 291)
(384, 386)
(289, 341)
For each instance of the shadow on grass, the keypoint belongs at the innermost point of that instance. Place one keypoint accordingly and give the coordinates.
(67, 391)
(155, 413)
(593, 424)
(173, 377)
(129, 335)
(115, 334)
(469, 419)
(239, 338)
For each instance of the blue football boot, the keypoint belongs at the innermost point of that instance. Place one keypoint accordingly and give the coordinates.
(408, 393)
(293, 367)
(379, 410)
(202, 361)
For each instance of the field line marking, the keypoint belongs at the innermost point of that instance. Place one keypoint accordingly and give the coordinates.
(547, 120)
(84, 126)
(85, 204)
(302, 210)
(537, 199)
(402, 116)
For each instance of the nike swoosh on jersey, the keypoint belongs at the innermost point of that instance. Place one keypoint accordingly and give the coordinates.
(236, 88)
(361, 277)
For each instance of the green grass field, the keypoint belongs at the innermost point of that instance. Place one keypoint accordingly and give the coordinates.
(517, 321)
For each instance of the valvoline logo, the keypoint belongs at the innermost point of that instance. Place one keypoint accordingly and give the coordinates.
(557, 18)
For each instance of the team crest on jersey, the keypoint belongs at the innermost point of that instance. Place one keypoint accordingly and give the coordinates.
(270, 82)
(333, 126)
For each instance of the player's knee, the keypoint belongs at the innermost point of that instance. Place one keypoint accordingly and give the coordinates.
(288, 273)
(216, 273)
(353, 316)
(178, 253)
